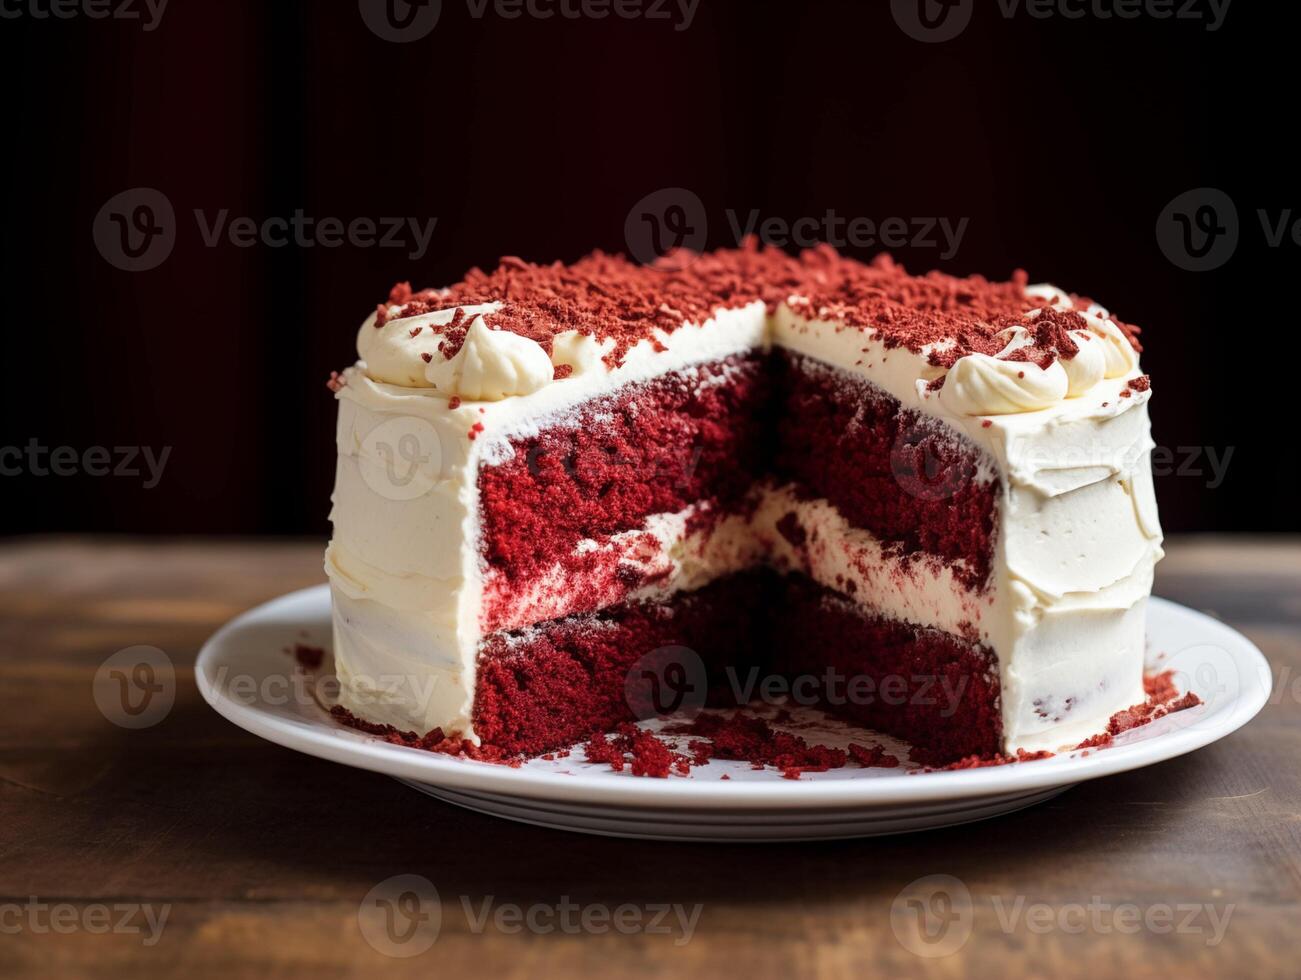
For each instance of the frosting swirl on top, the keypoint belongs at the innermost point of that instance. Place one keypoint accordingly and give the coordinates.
(491, 365)
(982, 385)
(398, 350)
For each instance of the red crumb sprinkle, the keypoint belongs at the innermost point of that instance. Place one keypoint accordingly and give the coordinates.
(416, 330)
(753, 740)
(985, 761)
(875, 757)
(612, 299)
(1126, 393)
(1160, 688)
(454, 401)
(336, 382)
(986, 424)
(639, 750)
(562, 371)
(432, 741)
(307, 656)
(1142, 383)
(475, 430)
(1100, 741)
(1163, 699)
(426, 357)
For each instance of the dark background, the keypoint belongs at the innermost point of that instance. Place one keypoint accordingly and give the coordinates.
(1061, 140)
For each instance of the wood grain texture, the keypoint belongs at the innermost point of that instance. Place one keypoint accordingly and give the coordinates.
(262, 856)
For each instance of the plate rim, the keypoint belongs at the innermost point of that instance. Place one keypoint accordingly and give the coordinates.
(322, 740)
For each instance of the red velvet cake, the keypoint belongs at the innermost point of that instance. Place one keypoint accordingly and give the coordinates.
(922, 503)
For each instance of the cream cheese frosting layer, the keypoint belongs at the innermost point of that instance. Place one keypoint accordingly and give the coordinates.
(1073, 563)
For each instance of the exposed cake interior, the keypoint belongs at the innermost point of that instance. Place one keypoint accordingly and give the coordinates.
(923, 501)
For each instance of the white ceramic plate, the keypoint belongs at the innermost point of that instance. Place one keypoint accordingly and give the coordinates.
(244, 672)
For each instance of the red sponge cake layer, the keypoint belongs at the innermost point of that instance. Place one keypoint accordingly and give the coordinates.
(551, 685)
(933, 689)
(657, 447)
(556, 683)
(907, 478)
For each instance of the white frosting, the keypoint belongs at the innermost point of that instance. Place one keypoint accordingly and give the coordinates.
(580, 351)
(1072, 564)
(491, 365)
(1086, 368)
(982, 385)
(1118, 351)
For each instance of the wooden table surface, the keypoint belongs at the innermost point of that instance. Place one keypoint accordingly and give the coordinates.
(260, 856)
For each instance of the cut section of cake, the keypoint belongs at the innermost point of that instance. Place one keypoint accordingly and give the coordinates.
(925, 500)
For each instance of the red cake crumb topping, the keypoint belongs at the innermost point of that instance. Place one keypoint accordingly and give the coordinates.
(432, 741)
(1100, 741)
(336, 382)
(985, 761)
(640, 750)
(1160, 687)
(1163, 699)
(308, 657)
(1142, 383)
(613, 299)
(454, 402)
(875, 757)
(753, 740)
